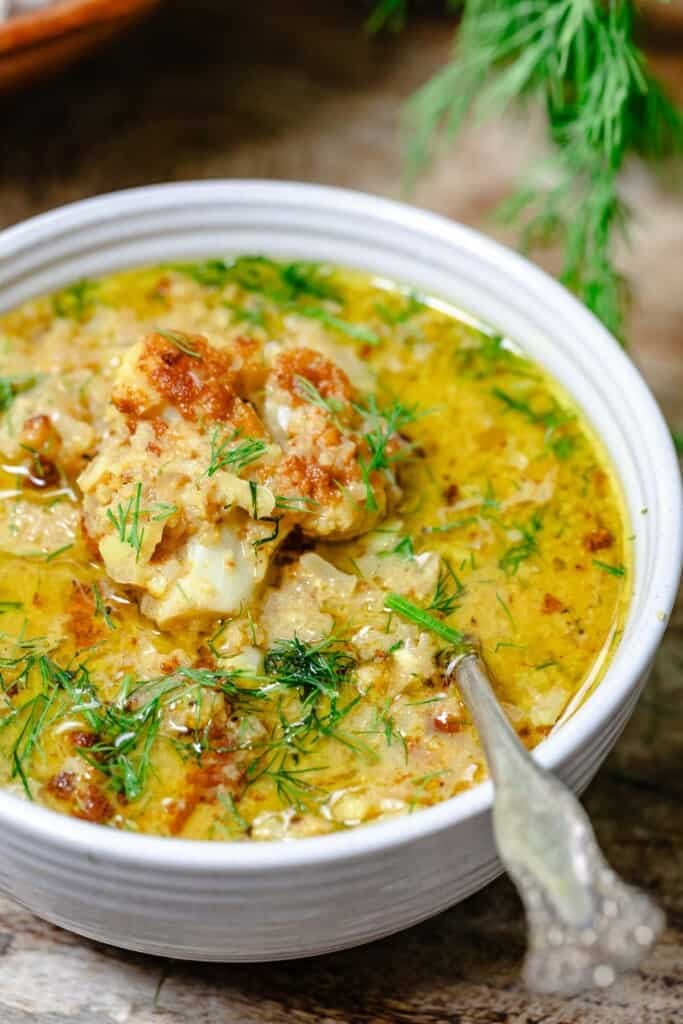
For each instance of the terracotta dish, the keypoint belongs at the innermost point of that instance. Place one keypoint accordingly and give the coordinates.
(42, 42)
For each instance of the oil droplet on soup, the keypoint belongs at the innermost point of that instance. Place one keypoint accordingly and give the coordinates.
(212, 477)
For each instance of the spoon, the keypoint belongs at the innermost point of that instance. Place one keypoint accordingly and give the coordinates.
(585, 925)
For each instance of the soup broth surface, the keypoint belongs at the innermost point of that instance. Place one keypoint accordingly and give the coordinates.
(217, 479)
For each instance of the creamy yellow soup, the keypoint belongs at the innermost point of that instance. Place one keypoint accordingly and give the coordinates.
(248, 511)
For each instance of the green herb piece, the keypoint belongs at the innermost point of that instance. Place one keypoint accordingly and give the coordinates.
(209, 273)
(506, 609)
(10, 606)
(279, 282)
(310, 393)
(255, 317)
(163, 511)
(76, 302)
(383, 722)
(228, 802)
(101, 608)
(388, 423)
(612, 570)
(551, 418)
(294, 503)
(411, 305)
(275, 521)
(455, 524)
(45, 556)
(180, 340)
(313, 668)
(126, 521)
(232, 453)
(419, 617)
(15, 385)
(359, 332)
(444, 600)
(676, 436)
(305, 278)
(292, 788)
(522, 549)
(544, 665)
(404, 549)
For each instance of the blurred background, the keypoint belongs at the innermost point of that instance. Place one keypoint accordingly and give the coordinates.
(97, 95)
(218, 88)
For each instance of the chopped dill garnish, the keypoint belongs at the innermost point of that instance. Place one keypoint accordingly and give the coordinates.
(384, 724)
(310, 393)
(404, 549)
(162, 511)
(180, 340)
(392, 315)
(444, 600)
(10, 606)
(612, 570)
(15, 385)
(76, 301)
(126, 521)
(101, 608)
(291, 787)
(279, 282)
(506, 609)
(551, 418)
(45, 556)
(312, 668)
(209, 273)
(523, 549)
(386, 425)
(419, 617)
(228, 801)
(234, 453)
(455, 524)
(275, 522)
(358, 332)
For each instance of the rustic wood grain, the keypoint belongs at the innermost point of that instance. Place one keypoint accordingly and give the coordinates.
(292, 90)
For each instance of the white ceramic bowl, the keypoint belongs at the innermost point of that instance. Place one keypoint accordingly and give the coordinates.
(232, 901)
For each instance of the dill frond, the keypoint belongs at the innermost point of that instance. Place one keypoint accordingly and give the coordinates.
(580, 59)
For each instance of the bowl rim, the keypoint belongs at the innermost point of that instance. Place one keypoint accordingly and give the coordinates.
(220, 856)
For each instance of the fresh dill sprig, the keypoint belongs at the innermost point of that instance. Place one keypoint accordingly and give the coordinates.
(181, 341)
(310, 393)
(386, 424)
(126, 521)
(602, 104)
(444, 599)
(312, 668)
(233, 452)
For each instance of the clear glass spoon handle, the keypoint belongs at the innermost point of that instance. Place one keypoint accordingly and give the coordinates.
(585, 925)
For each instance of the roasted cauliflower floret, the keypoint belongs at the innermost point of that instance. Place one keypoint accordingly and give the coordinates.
(48, 428)
(312, 410)
(165, 499)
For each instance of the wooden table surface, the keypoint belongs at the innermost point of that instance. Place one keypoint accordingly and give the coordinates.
(212, 88)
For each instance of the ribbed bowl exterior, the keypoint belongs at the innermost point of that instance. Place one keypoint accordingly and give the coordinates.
(248, 902)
